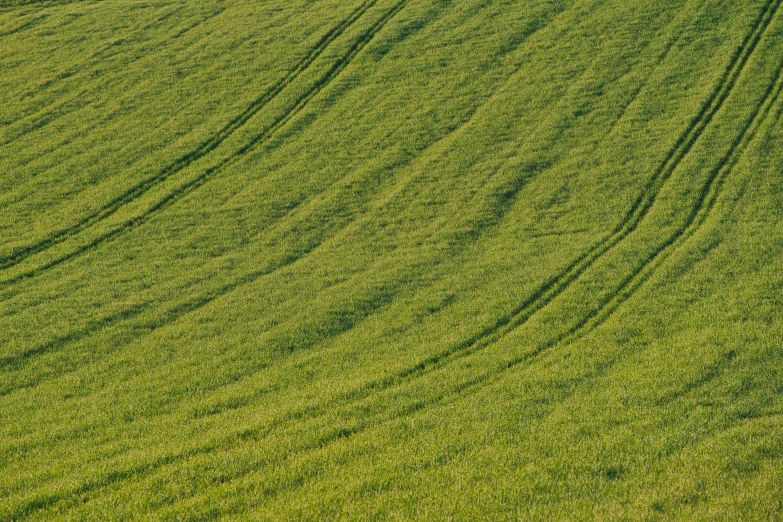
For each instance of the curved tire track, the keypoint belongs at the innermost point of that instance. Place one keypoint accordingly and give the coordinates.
(198, 181)
(38, 503)
(199, 152)
(560, 282)
(706, 201)
(543, 296)
(700, 212)
(555, 286)
(20, 360)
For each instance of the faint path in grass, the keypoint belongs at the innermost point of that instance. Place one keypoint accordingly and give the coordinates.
(704, 204)
(23, 26)
(14, 4)
(20, 360)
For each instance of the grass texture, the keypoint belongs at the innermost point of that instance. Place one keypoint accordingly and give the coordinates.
(391, 259)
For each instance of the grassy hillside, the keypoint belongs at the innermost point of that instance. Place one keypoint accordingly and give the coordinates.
(395, 259)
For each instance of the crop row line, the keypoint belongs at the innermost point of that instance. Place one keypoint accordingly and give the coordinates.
(704, 205)
(198, 181)
(551, 289)
(706, 201)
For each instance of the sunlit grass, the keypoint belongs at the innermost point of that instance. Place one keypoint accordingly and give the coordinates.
(391, 259)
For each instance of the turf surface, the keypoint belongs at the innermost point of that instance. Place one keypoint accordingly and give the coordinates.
(397, 259)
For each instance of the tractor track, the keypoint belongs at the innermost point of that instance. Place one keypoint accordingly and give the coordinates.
(707, 198)
(199, 152)
(545, 296)
(705, 203)
(19, 360)
(48, 500)
(542, 297)
(559, 283)
(198, 181)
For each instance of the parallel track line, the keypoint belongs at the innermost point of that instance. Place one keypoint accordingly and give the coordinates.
(199, 152)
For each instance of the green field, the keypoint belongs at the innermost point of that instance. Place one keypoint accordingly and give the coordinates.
(391, 259)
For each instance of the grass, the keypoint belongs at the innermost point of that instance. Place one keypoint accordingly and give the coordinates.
(391, 259)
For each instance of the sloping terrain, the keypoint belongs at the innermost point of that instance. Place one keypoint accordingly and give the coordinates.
(406, 259)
